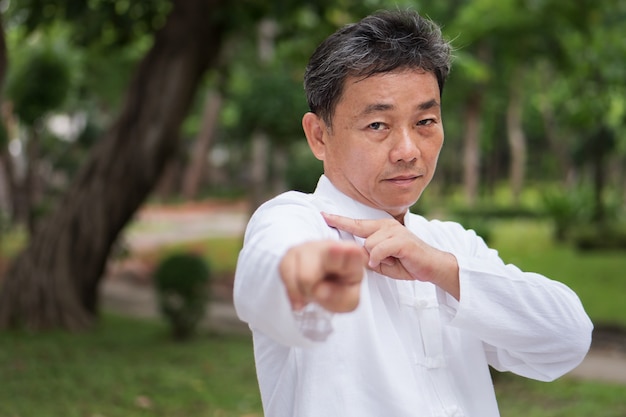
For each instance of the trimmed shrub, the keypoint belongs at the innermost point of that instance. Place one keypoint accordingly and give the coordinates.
(181, 282)
(599, 237)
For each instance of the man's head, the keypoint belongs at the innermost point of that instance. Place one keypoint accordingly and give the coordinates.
(380, 43)
(375, 94)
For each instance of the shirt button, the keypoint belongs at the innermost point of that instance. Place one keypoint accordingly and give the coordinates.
(420, 303)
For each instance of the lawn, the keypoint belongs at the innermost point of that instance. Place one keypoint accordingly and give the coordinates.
(520, 397)
(125, 368)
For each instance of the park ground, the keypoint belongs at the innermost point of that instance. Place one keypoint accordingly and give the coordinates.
(127, 289)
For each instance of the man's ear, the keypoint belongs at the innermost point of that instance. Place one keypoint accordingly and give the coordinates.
(316, 134)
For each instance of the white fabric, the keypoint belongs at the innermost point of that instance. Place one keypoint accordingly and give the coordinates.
(409, 349)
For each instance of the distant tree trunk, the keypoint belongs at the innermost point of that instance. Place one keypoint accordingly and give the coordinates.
(557, 143)
(6, 119)
(516, 137)
(280, 160)
(168, 185)
(600, 146)
(31, 187)
(54, 281)
(267, 30)
(9, 175)
(196, 169)
(471, 151)
(257, 182)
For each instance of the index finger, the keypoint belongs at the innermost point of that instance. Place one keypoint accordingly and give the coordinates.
(358, 227)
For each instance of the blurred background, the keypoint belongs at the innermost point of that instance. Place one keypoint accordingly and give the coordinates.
(138, 136)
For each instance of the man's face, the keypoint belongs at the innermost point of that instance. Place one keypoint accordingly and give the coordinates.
(385, 139)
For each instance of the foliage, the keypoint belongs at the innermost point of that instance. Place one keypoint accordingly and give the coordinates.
(105, 22)
(566, 210)
(39, 85)
(274, 103)
(181, 282)
(576, 50)
(573, 215)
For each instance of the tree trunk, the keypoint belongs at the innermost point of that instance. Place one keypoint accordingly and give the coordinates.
(516, 137)
(557, 143)
(280, 160)
(267, 29)
(54, 281)
(4, 59)
(8, 166)
(257, 182)
(6, 114)
(471, 152)
(31, 187)
(195, 171)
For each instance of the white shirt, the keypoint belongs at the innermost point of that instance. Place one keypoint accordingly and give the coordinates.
(409, 349)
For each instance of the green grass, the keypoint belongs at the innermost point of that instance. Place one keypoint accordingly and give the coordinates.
(520, 397)
(599, 278)
(126, 368)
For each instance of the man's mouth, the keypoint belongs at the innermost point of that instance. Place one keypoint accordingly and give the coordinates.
(403, 179)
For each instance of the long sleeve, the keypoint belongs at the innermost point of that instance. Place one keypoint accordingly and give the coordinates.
(529, 324)
(259, 294)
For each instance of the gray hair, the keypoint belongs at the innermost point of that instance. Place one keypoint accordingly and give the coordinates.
(379, 43)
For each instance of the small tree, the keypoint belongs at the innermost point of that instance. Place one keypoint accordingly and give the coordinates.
(35, 88)
(181, 282)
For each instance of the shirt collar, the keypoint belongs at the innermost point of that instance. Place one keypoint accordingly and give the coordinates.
(339, 203)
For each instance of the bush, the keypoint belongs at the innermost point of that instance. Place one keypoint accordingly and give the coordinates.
(39, 84)
(566, 210)
(599, 237)
(181, 282)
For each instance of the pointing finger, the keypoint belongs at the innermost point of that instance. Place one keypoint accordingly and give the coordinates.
(357, 227)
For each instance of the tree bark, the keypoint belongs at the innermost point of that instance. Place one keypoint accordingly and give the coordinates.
(53, 283)
(195, 171)
(4, 58)
(471, 151)
(257, 183)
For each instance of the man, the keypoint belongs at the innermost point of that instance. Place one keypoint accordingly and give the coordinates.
(360, 308)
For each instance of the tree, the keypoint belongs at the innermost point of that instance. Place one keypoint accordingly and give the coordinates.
(54, 281)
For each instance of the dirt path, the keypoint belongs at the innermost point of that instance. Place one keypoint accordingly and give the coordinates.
(153, 227)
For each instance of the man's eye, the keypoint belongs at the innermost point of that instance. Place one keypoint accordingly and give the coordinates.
(426, 122)
(376, 126)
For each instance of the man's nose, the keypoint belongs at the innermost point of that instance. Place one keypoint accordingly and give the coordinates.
(405, 147)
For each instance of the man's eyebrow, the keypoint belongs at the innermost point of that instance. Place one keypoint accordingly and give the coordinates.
(428, 104)
(375, 108)
(380, 107)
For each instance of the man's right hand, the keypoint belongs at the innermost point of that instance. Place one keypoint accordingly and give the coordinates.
(327, 272)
